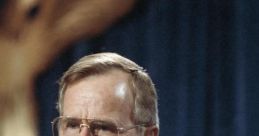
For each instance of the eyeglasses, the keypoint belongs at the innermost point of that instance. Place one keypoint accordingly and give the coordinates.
(70, 126)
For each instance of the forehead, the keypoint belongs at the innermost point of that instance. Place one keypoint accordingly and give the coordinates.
(100, 96)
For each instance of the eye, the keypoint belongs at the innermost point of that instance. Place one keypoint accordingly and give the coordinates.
(71, 124)
(103, 127)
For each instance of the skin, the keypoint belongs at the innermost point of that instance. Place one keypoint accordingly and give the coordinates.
(104, 97)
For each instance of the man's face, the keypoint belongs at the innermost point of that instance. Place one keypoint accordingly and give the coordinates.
(104, 97)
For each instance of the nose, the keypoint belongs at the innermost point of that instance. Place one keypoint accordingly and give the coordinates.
(84, 130)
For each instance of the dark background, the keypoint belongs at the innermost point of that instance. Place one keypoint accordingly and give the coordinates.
(203, 56)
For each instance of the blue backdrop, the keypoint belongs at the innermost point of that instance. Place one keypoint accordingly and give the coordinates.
(203, 56)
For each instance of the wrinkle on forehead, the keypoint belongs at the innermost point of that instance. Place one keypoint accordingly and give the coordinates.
(100, 96)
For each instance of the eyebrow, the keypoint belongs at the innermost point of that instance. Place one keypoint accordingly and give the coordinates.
(110, 121)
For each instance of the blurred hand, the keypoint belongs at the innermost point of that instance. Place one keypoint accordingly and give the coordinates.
(32, 33)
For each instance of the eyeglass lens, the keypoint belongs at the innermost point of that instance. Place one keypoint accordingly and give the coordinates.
(73, 127)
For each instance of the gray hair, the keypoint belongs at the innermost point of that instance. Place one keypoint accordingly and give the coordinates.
(143, 90)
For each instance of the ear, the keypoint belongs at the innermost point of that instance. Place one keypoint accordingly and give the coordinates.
(152, 131)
